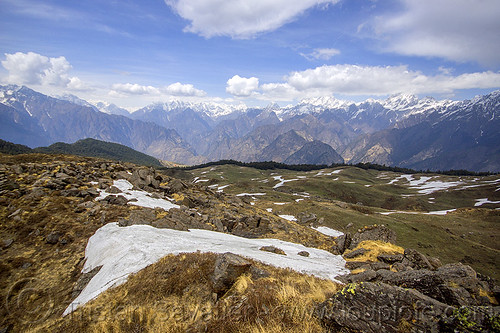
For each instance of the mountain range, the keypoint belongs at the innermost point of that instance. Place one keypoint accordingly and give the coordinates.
(402, 130)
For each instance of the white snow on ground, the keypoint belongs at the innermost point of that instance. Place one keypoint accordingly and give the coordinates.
(483, 201)
(219, 188)
(424, 185)
(249, 194)
(201, 180)
(270, 210)
(143, 198)
(122, 251)
(280, 203)
(282, 181)
(407, 177)
(323, 173)
(288, 217)
(298, 200)
(329, 231)
(302, 194)
(437, 212)
(440, 212)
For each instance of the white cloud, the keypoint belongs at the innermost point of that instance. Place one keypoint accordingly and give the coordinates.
(133, 89)
(242, 87)
(36, 69)
(459, 30)
(369, 80)
(179, 89)
(175, 89)
(321, 54)
(240, 18)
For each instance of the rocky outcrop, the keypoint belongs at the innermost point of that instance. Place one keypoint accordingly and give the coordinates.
(380, 307)
(408, 292)
(374, 232)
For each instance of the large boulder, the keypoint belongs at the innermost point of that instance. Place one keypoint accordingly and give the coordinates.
(376, 233)
(228, 268)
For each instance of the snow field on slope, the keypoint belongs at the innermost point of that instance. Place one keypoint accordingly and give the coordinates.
(122, 251)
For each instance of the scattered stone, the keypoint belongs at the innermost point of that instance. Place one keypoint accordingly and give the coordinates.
(228, 267)
(305, 218)
(53, 237)
(7, 242)
(113, 190)
(303, 253)
(119, 200)
(273, 249)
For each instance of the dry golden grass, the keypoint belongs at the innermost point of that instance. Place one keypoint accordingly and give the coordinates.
(375, 248)
(175, 295)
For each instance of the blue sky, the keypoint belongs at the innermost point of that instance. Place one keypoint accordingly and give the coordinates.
(132, 53)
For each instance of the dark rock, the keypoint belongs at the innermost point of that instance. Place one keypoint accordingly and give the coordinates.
(343, 242)
(303, 253)
(7, 242)
(228, 267)
(113, 190)
(258, 273)
(453, 284)
(119, 200)
(377, 232)
(176, 185)
(53, 237)
(273, 249)
(379, 265)
(304, 218)
(355, 253)
(390, 258)
(416, 260)
(356, 264)
(83, 280)
(379, 307)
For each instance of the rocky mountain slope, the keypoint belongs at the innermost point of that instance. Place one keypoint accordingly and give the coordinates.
(63, 216)
(33, 119)
(85, 147)
(315, 152)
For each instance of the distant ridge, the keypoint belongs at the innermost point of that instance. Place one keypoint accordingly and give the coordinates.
(87, 148)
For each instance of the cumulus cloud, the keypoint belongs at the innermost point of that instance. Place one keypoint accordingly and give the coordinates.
(241, 86)
(240, 18)
(321, 54)
(134, 89)
(368, 80)
(459, 30)
(179, 89)
(33, 68)
(175, 89)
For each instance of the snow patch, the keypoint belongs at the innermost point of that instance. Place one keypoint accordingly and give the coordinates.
(143, 198)
(328, 231)
(288, 217)
(282, 181)
(122, 251)
(249, 194)
(483, 201)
